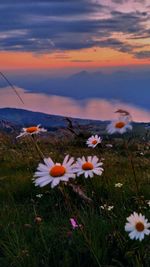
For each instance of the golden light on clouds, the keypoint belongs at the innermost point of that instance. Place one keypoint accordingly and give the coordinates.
(93, 57)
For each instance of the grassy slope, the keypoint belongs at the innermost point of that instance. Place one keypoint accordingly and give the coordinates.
(102, 240)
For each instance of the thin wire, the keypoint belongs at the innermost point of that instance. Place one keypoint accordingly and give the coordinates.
(12, 86)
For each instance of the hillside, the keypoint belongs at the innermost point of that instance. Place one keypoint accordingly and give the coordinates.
(12, 117)
(21, 116)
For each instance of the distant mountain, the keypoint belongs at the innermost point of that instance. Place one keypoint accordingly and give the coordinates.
(25, 117)
(123, 85)
(21, 117)
(78, 75)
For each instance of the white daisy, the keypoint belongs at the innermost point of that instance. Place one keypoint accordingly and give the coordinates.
(54, 173)
(93, 141)
(110, 208)
(88, 167)
(39, 195)
(31, 130)
(138, 226)
(118, 185)
(120, 125)
(106, 207)
(148, 203)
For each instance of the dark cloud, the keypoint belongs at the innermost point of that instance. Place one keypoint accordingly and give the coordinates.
(48, 8)
(119, 1)
(142, 54)
(115, 44)
(9, 2)
(44, 26)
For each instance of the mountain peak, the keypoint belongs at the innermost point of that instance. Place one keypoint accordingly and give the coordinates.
(80, 74)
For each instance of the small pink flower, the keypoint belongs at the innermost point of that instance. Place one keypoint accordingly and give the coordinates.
(74, 223)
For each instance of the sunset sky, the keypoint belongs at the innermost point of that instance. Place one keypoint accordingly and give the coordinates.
(62, 37)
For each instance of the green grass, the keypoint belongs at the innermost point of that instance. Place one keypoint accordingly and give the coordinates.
(102, 240)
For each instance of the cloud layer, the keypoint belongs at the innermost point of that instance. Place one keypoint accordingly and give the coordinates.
(100, 109)
(58, 25)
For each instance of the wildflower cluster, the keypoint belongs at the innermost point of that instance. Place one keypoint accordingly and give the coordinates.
(54, 173)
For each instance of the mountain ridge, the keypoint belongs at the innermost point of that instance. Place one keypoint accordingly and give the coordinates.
(21, 116)
(14, 118)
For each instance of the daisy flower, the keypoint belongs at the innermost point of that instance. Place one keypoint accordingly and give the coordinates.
(93, 141)
(110, 208)
(106, 207)
(118, 185)
(120, 125)
(148, 203)
(31, 130)
(138, 226)
(39, 195)
(54, 173)
(88, 167)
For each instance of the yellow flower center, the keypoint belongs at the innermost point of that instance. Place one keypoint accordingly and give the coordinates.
(87, 166)
(31, 129)
(94, 142)
(57, 171)
(120, 124)
(139, 226)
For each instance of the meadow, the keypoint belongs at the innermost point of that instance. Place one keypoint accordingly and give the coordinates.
(35, 223)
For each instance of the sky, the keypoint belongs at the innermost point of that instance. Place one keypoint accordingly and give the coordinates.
(43, 42)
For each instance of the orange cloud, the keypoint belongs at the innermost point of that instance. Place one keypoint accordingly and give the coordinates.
(85, 58)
